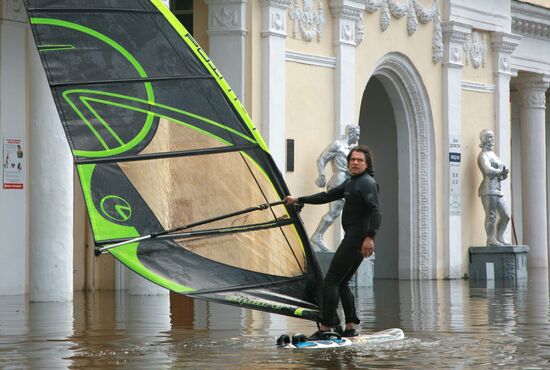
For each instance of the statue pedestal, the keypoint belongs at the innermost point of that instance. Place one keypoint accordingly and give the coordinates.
(507, 262)
(364, 275)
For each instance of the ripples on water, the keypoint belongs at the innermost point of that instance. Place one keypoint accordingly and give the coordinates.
(448, 324)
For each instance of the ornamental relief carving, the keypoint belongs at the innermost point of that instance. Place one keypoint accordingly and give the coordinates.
(225, 17)
(476, 48)
(534, 100)
(455, 55)
(504, 64)
(307, 21)
(415, 13)
(347, 33)
(277, 23)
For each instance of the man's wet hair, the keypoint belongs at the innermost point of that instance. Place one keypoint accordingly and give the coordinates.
(368, 156)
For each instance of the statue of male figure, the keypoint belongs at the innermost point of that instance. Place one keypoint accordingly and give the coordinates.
(494, 171)
(336, 153)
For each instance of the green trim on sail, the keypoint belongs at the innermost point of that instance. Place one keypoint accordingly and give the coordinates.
(66, 95)
(128, 255)
(54, 47)
(148, 87)
(193, 45)
(103, 228)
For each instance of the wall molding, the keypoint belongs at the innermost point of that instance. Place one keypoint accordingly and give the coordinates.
(478, 87)
(310, 59)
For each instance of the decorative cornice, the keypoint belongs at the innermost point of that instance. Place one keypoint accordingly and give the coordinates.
(530, 20)
(530, 28)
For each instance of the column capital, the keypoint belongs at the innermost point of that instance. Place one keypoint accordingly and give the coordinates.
(226, 17)
(503, 45)
(347, 9)
(503, 42)
(274, 17)
(348, 17)
(455, 32)
(532, 88)
(454, 36)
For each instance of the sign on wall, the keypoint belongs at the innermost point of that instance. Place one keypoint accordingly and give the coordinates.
(13, 163)
(454, 173)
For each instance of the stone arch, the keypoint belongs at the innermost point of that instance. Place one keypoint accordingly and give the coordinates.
(416, 165)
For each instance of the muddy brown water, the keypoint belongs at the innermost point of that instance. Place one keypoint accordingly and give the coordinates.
(448, 325)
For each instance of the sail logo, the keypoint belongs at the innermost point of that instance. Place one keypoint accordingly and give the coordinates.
(116, 208)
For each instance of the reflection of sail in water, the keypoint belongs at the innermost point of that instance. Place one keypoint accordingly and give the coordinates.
(179, 186)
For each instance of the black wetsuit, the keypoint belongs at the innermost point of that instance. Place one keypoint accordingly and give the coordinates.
(361, 217)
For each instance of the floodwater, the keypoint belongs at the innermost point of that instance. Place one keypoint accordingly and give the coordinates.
(448, 325)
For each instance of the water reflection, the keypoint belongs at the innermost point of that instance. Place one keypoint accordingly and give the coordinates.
(449, 324)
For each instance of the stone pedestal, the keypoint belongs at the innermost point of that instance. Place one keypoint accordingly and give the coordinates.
(364, 275)
(504, 262)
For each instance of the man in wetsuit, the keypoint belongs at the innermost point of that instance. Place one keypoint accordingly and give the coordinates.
(361, 218)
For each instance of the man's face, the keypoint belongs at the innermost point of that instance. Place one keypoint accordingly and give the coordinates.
(357, 163)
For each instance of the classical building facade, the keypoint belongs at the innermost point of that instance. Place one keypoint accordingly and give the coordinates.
(422, 78)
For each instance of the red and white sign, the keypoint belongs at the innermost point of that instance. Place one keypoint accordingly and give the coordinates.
(13, 163)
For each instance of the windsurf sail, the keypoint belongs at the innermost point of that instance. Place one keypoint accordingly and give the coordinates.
(178, 184)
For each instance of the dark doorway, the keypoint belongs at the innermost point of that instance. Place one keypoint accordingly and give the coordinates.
(379, 132)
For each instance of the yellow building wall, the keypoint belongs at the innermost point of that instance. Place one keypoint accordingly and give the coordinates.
(310, 122)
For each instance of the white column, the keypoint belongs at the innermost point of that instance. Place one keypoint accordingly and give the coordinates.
(532, 88)
(13, 125)
(454, 35)
(503, 45)
(51, 194)
(273, 77)
(226, 40)
(345, 14)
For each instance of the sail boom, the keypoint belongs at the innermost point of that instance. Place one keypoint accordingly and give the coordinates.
(229, 230)
(183, 153)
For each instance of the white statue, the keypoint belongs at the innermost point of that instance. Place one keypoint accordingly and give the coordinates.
(336, 153)
(494, 171)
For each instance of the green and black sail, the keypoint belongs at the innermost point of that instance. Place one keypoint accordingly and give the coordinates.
(160, 141)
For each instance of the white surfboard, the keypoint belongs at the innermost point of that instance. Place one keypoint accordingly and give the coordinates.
(378, 337)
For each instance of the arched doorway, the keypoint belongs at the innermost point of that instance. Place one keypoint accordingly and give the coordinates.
(396, 122)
